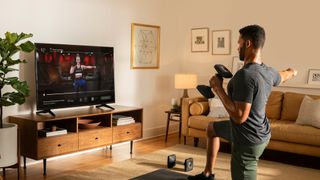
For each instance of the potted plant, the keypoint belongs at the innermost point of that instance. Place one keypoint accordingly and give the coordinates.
(10, 45)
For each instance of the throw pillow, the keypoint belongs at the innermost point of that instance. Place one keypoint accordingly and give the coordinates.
(199, 108)
(309, 113)
(216, 108)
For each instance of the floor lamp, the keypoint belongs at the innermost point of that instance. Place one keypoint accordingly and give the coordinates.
(185, 82)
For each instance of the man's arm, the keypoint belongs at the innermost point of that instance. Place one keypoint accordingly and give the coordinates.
(287, 74)
(238, 111)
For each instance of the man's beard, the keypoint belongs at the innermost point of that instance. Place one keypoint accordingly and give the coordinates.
(242, 52)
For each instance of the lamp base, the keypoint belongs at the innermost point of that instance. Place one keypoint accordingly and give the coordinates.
(185, 95)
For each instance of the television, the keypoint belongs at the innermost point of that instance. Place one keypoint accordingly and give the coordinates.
(73, 75)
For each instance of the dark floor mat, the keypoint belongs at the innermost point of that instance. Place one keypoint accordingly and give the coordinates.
(161, 174)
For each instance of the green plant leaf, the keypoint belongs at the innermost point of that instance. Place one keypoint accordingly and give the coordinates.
(12, 38)
(8, 47)
(20, 86)
(6, 70)
(5, 102)
(11, 69)
(23, 36)
(27, 46)
(17, 61)
(11, 98)
(18, 98)
(12, 80)
(13, 50)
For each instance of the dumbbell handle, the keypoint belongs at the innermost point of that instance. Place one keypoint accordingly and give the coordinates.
(223, 72)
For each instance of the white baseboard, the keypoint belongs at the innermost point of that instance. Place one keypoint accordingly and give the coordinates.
(159, 131)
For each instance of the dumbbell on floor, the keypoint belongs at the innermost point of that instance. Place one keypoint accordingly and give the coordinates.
(172, 161)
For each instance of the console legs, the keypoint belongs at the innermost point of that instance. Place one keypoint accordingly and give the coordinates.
(131, 145)
(24, 162)
(44, 167)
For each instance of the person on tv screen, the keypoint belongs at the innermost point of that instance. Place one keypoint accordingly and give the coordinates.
(77, 71)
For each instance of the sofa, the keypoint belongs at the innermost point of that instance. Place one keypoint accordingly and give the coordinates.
(282, 111)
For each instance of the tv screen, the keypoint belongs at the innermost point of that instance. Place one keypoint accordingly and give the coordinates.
(73, 75)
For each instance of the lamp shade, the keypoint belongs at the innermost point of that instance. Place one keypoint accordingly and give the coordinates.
(185, 81)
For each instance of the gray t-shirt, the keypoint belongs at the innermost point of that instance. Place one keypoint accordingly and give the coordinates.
(252, 84)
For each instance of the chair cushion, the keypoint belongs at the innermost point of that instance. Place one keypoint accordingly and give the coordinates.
(309, 113)
(289, 131)
(199, 108)
(291, 105)
(273, 107)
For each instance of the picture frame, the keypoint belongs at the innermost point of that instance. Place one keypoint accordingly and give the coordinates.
(200, 39)
(314, 76)
(221, 42)
(236, 64)
(145, 46)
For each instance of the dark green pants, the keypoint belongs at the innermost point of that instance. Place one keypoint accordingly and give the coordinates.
(244, 161)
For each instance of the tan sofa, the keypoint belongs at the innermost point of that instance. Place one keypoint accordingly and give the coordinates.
(282, 110)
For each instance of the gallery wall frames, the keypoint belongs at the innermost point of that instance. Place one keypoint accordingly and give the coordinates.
(314, 76)
(200, 40)
(221, 42)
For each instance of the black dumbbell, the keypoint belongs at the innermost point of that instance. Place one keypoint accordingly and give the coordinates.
(172, 161)
(223, 72)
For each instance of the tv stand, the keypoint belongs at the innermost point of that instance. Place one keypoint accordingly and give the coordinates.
(105, 105)
(38, 147)
(45, 111)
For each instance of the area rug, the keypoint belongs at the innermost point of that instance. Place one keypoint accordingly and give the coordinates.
(144, 164)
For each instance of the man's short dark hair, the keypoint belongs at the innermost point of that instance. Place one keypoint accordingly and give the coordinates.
(254, 33)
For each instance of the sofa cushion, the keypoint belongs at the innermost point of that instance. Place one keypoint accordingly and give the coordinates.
(289, 131)
(291, 105)
(309, 113)
(201, 122)
(217, 110)
(199, 108)
(273, 107)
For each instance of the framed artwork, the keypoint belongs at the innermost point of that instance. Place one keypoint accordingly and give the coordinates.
(200, 40)
(314, 76)
(221, 42)
(145, 46)
(236, 64)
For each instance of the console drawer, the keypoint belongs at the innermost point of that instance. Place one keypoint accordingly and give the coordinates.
(52, 146)
(126, 132)
(95, 138)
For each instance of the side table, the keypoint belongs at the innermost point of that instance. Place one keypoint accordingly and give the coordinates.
(173, 116)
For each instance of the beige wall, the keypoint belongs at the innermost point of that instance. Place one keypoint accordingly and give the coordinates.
(292, 30)
(292, 40)
(102, 23)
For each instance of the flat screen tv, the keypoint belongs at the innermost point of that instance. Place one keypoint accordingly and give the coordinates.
(73, 75)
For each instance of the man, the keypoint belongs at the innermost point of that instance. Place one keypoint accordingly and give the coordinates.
(248, 129)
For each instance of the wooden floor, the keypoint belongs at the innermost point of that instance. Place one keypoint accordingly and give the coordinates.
(92, 159)
(100, 157)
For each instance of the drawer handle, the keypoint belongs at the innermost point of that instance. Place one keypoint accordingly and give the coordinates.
(96, 138)
(128, 132)
(59, 145)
